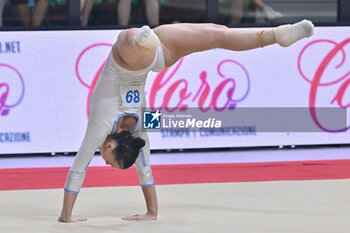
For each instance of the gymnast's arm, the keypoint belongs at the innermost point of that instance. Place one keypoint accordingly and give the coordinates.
(94, 137)
(152, 203)
(144, 171)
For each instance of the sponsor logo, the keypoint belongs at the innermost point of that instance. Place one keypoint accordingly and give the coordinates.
(192, 123)
(331, 71)
(11, 88)
(152, 120)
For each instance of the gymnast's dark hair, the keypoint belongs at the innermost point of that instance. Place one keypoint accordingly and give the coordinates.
(127, 149)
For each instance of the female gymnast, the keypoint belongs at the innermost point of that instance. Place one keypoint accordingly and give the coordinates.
(116, 102)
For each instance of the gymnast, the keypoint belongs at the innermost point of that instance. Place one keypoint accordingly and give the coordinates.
(115, 105)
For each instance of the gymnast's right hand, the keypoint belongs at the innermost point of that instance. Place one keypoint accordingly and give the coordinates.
(71, 219)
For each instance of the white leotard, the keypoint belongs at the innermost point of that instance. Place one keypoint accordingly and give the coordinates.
(118, 92)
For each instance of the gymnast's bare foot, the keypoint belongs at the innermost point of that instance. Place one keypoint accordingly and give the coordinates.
(141, 217)
(71, 219)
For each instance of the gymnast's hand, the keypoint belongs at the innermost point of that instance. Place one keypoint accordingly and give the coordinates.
(71, 219)
(142, 217)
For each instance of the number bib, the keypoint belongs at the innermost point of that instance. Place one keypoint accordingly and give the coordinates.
(132, 97)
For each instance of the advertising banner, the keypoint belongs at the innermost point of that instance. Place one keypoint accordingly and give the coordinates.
(47, 77)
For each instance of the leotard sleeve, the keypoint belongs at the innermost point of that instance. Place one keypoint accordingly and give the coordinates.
(143, 165)
(94, 137)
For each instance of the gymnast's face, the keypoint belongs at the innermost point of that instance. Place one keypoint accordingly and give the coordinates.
(106, 152)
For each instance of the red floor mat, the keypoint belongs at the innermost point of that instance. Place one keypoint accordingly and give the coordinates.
(47, 178)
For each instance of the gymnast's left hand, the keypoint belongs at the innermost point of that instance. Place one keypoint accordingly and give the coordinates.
(141, 217)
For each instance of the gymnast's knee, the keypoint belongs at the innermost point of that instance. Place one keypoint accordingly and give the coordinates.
(127, 36)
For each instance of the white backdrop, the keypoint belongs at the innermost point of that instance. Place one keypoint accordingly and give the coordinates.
(46, 78)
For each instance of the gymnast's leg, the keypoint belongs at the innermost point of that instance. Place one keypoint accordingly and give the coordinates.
(182, 39)
(136, 47)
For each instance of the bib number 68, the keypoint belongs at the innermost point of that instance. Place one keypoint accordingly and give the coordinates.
(132, 96)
